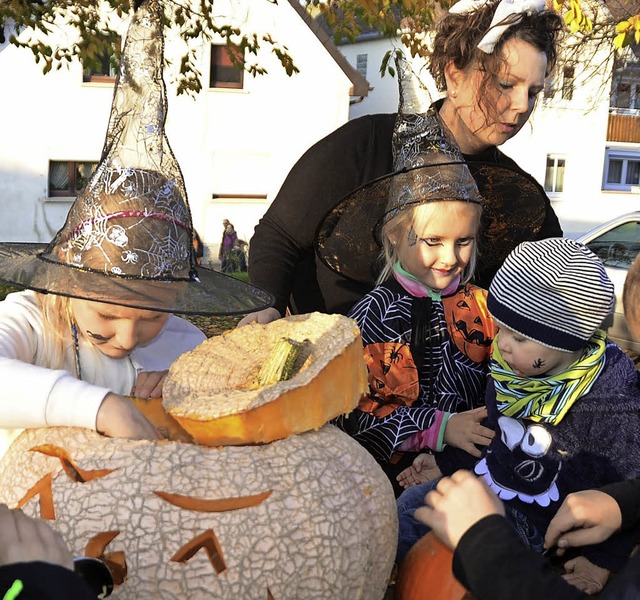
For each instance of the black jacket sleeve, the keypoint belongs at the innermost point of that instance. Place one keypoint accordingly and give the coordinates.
(282, 259)
(627, 495)
(491, 562)
(44, 581)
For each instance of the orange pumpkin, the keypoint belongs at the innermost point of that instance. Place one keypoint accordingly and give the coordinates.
(212, 392)
(425, 573)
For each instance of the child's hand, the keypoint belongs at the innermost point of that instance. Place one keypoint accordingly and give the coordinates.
(118, 417)
(464, 431)
(581, 573)
(149, 384)
(423, 469)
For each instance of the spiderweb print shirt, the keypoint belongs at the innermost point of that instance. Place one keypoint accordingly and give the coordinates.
(422, 356)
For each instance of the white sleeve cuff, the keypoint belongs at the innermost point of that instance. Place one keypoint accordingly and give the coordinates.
(74, 403)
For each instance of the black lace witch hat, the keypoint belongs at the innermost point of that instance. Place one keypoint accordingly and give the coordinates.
(128, 237)
(429, 167)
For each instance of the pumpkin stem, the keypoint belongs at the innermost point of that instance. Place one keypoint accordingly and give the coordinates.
(281, 363)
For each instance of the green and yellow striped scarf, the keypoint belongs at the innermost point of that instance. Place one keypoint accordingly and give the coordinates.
(547, 399)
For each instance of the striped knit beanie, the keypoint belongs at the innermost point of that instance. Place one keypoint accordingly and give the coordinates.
(555, 292)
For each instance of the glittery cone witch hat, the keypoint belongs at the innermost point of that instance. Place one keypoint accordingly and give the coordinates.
(429, 167)
(128, 237)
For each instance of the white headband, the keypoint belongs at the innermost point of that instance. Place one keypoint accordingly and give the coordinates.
(505, 9)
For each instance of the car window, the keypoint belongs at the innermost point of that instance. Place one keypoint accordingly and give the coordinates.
(619, 246)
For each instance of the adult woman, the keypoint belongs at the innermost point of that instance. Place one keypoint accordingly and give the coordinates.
(490, 94)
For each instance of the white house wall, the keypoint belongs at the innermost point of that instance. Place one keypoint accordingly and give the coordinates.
(383, 95)
(228, 142)
(577, 130)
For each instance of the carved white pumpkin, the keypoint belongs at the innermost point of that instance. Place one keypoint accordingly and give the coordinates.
(319, 520)
(311, 516)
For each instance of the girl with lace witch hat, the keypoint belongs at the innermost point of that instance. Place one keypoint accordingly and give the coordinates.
(95, 322)
(426, 330)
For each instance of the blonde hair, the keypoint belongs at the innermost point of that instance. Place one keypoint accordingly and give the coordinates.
(56, 321)
(419, 215)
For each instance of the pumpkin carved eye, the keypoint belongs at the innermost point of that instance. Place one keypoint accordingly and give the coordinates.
(74, 472)
(43, 487)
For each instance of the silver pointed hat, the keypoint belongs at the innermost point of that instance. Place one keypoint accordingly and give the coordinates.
(128, 237)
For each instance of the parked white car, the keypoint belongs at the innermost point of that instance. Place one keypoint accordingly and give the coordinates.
(617, 243)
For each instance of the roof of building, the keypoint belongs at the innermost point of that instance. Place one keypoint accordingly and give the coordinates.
(360, 85)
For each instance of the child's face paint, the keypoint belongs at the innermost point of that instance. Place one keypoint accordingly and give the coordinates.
(116, 330)
(531, 359)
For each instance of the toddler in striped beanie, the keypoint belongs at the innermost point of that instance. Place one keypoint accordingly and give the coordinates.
(555, 293)
(563, 400)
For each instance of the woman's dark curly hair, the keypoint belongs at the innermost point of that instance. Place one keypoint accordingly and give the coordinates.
(457, 37)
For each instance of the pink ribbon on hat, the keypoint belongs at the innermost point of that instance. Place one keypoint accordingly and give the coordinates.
(123, 214)
(505, 9)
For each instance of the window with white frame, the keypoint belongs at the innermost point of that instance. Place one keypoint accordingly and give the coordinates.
(361, 64)
(554, 173)
(621, 170)
(68, 177)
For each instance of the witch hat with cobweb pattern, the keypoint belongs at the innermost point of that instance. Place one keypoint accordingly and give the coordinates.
(128, 237)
